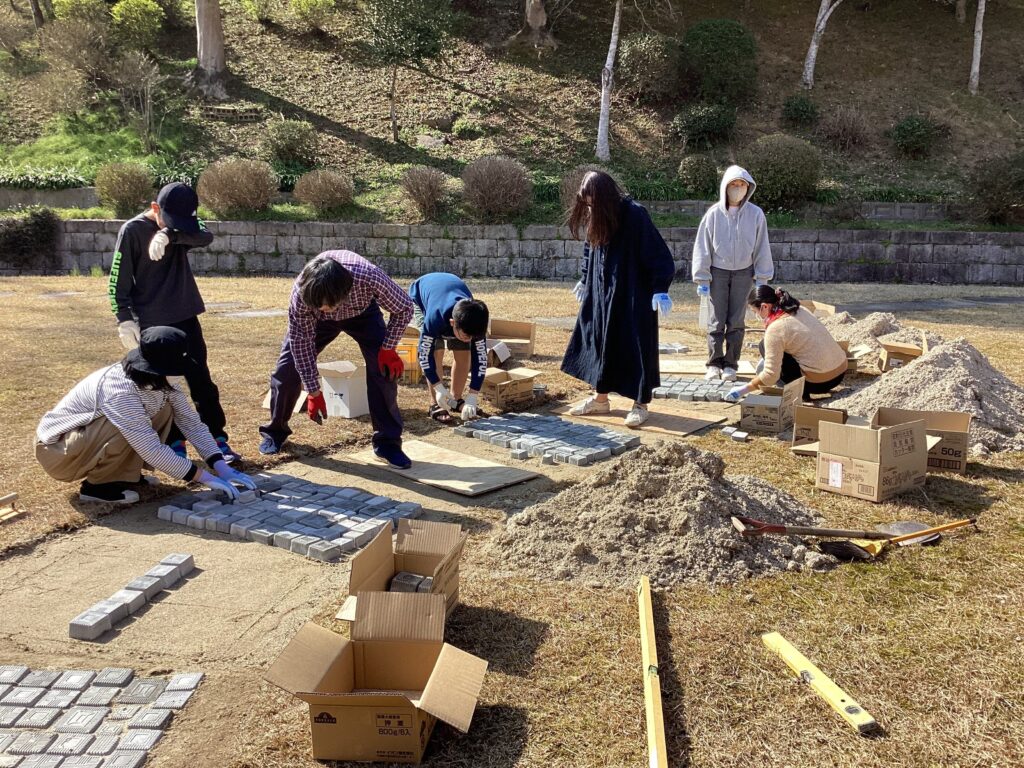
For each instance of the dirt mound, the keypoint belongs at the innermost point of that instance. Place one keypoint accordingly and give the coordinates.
(662, 510)
(911, 335)
(953, 377)
(864, 332)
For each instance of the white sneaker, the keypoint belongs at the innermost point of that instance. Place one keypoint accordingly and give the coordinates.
(714, 373)
(637, 416)
(729, 374)
(590, 406)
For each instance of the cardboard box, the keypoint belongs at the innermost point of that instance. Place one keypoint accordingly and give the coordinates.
(519, 337)
(818, 308)
(872, 463)
(421, 547)
(409, 352)
(894, 352)
(806, 419)
(953, 427)
(770, 412)
(344, 387)
(509, 388)
(378, 696)
(497, 352)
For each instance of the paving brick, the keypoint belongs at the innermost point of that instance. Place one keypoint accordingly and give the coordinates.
(41, 761)
(182, 560)
(143, 690)
(120, 759)
(262, 536)
(739, 437)
(300, 544)
(181, 516)
(283, 539)
(324, 551)
(172, 700)
(166, 512)
(97, 696)
(38, 717)
(9, 761)
(241, 529)
(114, 676)
(153, 719)
(206, 506)
(82, 761)
(104, 743)
(133, 599)
(58, 699)
(70, 744)
(109, 729)
(147, 585)
(81, 719)
(22, 697)
(124, 712)
(139, 739)
(9, 715)
(112, 608)
(11, 675)
(40, 678)
(197, 521)
(169, 575)
(247, 497)
(31, 743)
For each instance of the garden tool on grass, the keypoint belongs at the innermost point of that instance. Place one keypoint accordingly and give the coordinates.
(747, 526)
(859, 548)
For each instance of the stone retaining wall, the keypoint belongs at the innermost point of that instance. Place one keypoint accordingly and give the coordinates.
(547, 252)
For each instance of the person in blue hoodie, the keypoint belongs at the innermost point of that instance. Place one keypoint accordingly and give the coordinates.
(730, 256)
(449, 317)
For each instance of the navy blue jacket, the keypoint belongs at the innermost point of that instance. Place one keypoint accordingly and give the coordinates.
(435, 296)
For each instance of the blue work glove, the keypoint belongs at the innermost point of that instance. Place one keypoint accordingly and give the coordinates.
(734, 394)
(579, 291)
(703, 289)
(758, 283)
(233, 476)
(662, 302)
(217, 484)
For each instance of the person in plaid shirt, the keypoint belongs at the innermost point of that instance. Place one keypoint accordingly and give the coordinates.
(340, 291)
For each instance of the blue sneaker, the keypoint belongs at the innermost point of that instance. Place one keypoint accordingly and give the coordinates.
(230, 456)
(393, 455)
(268, 447)
(178, 446)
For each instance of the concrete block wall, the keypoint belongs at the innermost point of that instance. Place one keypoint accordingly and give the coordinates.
(548, 252)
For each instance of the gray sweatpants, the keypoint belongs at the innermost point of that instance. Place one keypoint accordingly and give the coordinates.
(729, 292)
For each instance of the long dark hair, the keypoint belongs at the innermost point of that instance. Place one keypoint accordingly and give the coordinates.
(144, 379)
(597, 208)
(778, 298)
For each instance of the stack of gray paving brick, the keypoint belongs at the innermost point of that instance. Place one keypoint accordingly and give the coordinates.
(672, 348)
(102, 616)
(552, 439)
(691, 388)
(85, 719)
(322, 522)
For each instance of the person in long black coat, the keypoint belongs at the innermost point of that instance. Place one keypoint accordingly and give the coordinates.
(627, 270)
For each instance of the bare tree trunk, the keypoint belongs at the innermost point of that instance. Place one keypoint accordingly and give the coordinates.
(604, 153)
(37, 14)
(961, 11)
(979, 21)
(394, 110)
(824, 12)
(48, 10)
(209, 73)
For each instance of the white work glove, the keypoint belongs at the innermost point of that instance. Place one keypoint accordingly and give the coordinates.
(233, 476)
(579, 291)
(158, 245)
(129, 333)
(218, 484)
(734, 394)
(703, 289)
(662, 302)
(444, 397)
(469, 406)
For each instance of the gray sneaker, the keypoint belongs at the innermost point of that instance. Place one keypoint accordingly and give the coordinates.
(714, 373)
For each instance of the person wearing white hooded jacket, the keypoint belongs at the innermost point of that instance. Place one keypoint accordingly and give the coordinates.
(731, 254)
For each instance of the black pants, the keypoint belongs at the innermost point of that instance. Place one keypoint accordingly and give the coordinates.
(203, 391)
(791, 371)
(368, 330)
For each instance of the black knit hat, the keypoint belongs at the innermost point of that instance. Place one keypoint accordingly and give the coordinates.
(163, 352)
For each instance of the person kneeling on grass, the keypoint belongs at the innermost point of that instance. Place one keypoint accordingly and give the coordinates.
(445, 310)
(116, 420)
(795, 344)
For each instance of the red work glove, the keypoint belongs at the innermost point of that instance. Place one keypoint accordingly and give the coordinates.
(391, 365)
(316, 407)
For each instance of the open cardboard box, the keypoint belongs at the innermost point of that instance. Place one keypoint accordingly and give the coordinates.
(378, 696)
(511, 387)
(871, 463)
(953, 427)
(519, 337)
(772, 410)
(344, 386)
(818, 308)
(893, 352)
(806, 419)
(422, 547)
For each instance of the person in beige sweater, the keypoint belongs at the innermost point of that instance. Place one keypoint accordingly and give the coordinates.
(795, 344)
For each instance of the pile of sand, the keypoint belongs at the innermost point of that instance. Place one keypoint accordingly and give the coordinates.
(911, 335)
(871, 331)
(952, 377)
(663, 510)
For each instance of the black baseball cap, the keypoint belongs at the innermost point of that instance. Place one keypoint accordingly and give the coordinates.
(163, 351)
(179, 206)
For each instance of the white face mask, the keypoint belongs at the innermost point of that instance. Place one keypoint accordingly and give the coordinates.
(735, 194)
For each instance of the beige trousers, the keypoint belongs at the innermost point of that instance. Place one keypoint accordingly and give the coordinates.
(98, 452)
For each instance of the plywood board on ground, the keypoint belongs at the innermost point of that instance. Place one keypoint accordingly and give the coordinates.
(450, 470)
(673, 365)
(668, 417)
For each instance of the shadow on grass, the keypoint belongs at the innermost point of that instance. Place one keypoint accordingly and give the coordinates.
(496, 739)
(508, 642)
(677, 737)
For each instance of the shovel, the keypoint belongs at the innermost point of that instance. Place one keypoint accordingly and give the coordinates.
(747, 526)
(875, 548)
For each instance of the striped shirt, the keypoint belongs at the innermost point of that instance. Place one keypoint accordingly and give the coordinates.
(369, 283)
(110, 393)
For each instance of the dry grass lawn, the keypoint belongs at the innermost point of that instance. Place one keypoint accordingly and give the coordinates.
(928, 640)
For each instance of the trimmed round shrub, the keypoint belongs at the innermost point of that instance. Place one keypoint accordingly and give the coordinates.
(799, 111)
(846, 128)
(292, 143)
(313, 13)
(569, 187)
(786, 169)
(720, 55)
(496, 186)
(81, 10)
(997, 189)
(235, 186)
(916, 135)
(699, 174)
(704, 125)
(125, 187)
(137, 23)
(649, 66)
(325, 191)
(426, 188)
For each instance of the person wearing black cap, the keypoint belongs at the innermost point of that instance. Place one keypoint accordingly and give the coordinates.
(116, 420)
(151, 284)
